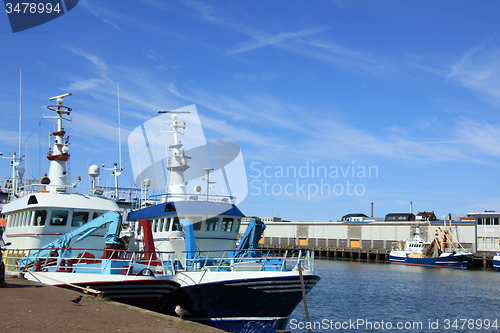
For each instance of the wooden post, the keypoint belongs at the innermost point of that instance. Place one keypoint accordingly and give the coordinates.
(304, 296)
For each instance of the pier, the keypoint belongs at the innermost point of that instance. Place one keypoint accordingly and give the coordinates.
(479, 260)
(33, 307)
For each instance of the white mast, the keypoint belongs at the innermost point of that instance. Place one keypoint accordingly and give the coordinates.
(119, 127)
(58, 157)
(176, 187)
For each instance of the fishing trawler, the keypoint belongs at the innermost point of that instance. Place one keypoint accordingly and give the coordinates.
(442, 251)
(38, 213)
(215, 218)
(128, 277)
(237, 289)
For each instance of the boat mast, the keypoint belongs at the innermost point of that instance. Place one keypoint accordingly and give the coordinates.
(58, 156)
(176, 187)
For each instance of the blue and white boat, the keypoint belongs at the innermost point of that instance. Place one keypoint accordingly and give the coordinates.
(496, 261)
(237, 289)
(440, 252)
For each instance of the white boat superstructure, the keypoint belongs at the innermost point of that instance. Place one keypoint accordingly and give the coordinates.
(39, 213)
(214, 219)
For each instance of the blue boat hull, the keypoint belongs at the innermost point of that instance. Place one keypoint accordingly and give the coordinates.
(255, 305)
(452, 261)
(496, 263)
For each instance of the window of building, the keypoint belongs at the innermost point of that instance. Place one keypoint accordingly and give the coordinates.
(59, 217)
(79, 219)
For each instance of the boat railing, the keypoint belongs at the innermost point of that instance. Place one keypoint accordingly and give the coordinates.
(111, 261)
(457, 249)
(249, 260)
(120, 194)
(160, 198)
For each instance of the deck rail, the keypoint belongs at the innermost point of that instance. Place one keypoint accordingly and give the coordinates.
(111, 261)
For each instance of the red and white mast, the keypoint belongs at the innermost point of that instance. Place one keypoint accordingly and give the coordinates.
(58, 156)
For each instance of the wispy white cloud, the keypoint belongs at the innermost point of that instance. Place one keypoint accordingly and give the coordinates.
(99, 63)
(261, 40)
(151, 54)
(482, 138)
(101, 13)
(479, 70)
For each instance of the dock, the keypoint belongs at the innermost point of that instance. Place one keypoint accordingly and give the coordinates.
(34, 307)
(479, 260)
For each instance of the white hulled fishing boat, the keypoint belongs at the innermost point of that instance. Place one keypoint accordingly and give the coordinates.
(39, 213)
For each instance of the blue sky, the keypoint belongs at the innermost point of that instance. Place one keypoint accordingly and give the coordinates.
(407, 89)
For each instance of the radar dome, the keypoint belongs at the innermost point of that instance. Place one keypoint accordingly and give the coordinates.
(94, 171)
(146, 182)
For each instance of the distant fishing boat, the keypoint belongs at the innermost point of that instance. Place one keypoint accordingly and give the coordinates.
(442, 251)
(496, 261)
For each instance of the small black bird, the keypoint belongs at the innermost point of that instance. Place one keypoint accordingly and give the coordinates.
(77, 300)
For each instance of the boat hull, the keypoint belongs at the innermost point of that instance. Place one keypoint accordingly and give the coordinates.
(243, 305)
(146, 292)
(496, 262)
(452, 261)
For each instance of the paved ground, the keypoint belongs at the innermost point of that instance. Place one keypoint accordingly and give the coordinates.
(27, 306)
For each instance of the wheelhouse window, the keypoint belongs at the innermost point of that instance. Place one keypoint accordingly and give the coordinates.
(176, 225)
(96, 215)
(227, 224)
(29, 216)
(212, 224)
(196, 222)
(79, 219)
(59, 217)
(167, 223)
(40, 217)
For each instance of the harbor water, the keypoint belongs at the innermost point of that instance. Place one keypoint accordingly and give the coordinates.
(370, 297)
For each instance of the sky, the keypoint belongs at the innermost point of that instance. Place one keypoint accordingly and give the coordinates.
(334, 104)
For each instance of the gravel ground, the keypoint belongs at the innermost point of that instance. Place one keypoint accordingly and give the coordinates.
(33, 307)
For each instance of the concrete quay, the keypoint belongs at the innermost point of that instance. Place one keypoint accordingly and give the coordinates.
(34, 307)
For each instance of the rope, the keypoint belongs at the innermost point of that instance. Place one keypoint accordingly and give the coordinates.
(85, 290)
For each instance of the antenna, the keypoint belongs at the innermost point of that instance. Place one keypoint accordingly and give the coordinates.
(60, 96)
(119, 127)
